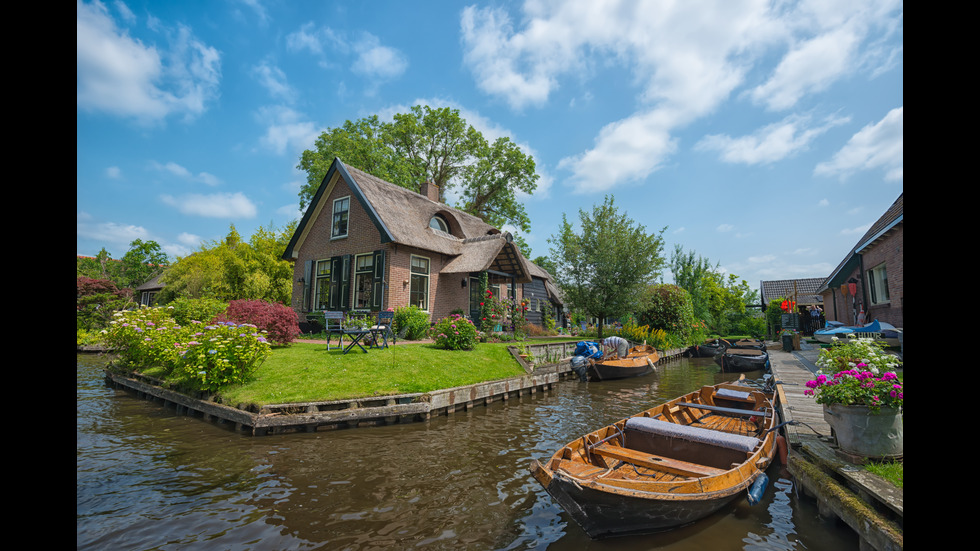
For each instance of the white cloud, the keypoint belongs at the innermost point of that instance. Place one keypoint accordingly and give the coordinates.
(113, 172)
(877, 146)
(218, 205)
(185, 174)
(725, 228)
(770, 143)
(114, 235)
(377, 61)
(122, 76)
(684, 59)
(287, 131)
(274, 80)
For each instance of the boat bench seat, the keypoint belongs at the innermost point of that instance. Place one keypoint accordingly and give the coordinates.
(656, 462)
(700, 435)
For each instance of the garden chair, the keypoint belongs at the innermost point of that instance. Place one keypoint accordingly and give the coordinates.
(334, 322)
(383, 328)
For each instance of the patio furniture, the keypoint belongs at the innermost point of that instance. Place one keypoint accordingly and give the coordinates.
(334, 322)
(382, 328)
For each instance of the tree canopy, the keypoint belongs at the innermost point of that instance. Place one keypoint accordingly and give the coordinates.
(430, 145)
(718, 299)
(233, 269)
(604, 270)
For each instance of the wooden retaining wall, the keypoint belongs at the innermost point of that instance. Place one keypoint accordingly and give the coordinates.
(551, 363)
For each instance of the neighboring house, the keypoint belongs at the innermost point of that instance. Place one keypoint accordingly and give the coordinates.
(148, 291)
(543, 297)
(875, 270)
(368, 245)
(804, 291)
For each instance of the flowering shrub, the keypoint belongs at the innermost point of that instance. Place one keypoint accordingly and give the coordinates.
(858, 387)
(279, 321)
(145, 337)
(861, 373)
(848, 352)
(455, 333)
(221, 354)
(207, 356)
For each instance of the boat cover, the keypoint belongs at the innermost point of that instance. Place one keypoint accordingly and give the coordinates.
(693, 434)
(588, 349)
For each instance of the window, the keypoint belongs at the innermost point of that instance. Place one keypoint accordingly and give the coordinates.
(878, 284)
(341, 211)
(363, 279)
(321, 295)
(439, 223)
(419, 291)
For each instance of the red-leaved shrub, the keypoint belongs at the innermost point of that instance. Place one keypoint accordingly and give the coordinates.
(279, 322)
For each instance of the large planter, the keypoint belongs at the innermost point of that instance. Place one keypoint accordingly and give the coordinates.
(863, 433)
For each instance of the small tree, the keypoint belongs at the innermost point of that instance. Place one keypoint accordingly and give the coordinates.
(604, 270)
(277, 321)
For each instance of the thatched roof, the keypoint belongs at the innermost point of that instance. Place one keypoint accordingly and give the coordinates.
(402, 216)
(885, 225)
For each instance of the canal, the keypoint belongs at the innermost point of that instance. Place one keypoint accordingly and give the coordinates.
(147, 478)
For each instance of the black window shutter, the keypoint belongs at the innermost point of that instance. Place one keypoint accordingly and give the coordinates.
(345, 282)
(377, 283)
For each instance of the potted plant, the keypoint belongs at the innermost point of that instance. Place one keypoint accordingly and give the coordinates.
(862, 397)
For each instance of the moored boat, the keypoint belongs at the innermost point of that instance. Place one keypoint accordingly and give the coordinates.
(639, 361)
(757, 344)
(736, 360)
(670, 465)
(708, 349)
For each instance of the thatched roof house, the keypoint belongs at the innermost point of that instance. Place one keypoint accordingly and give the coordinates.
(367, 244)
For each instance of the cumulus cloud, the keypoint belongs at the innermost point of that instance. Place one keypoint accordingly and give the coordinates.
(185, 174)
(684, 60)
(770, 143)
(287, 131)
(218, 205)
(123, 76)
(877, 146)
(364, 52)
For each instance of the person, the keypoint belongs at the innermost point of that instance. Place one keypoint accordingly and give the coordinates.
(619, 344)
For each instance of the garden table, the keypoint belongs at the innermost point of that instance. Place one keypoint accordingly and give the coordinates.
(356, 336)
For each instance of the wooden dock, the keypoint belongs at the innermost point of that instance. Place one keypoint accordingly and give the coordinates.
(804, 410)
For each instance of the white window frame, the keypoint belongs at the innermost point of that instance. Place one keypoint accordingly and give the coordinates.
(412, 275)
(333, 218)
(878, 285)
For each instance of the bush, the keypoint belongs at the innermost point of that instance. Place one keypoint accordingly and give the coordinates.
(185, 310)
(411, 323)
(455, 333)
(205, 356)
(224, 353)
(278, 321)
(96, 300)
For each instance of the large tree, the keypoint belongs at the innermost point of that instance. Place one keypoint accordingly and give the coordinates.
(604, 270)
(430, 145)
(718, 299)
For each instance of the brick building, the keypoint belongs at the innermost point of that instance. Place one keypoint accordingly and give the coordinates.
(871, 276)
(366, 244)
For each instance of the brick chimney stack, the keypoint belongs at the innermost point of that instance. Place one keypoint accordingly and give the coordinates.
(430, 190)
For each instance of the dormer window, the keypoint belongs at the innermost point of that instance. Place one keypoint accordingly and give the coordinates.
(437, 222)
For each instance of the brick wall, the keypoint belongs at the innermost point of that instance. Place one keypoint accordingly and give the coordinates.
(890, 252)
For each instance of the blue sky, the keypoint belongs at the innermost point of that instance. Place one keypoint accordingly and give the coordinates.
(765, 135)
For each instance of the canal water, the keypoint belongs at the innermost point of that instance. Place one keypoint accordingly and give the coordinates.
(148, 478)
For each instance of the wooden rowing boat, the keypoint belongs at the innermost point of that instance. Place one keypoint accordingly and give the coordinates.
(740, 360)
(708, 349)
(667, 466)
(639, 361)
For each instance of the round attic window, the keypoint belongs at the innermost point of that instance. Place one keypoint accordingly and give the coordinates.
(439, 223)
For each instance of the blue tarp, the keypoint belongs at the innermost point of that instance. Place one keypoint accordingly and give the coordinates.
(588, 349)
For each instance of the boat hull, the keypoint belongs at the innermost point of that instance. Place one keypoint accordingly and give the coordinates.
(741, 361)
(639, 361)
(603, 514)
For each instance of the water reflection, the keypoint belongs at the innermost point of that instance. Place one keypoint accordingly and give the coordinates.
(150, 479)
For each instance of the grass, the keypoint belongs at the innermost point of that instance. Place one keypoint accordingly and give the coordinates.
(306, 372)
(891, 471)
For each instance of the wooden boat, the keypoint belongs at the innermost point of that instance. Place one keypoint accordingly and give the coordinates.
(756, 344)
(708, 349)
(736, 360)
(639, 361)
(667, 466)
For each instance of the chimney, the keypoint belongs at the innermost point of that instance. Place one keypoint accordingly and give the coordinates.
(430, 190)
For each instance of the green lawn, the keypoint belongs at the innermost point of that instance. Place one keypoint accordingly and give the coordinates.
(304, 372)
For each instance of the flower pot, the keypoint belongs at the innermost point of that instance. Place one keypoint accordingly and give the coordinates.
(861, 432)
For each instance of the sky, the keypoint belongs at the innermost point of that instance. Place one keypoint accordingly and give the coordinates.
(763, 135)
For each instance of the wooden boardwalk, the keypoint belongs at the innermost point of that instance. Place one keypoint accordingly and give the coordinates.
(808, 414)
